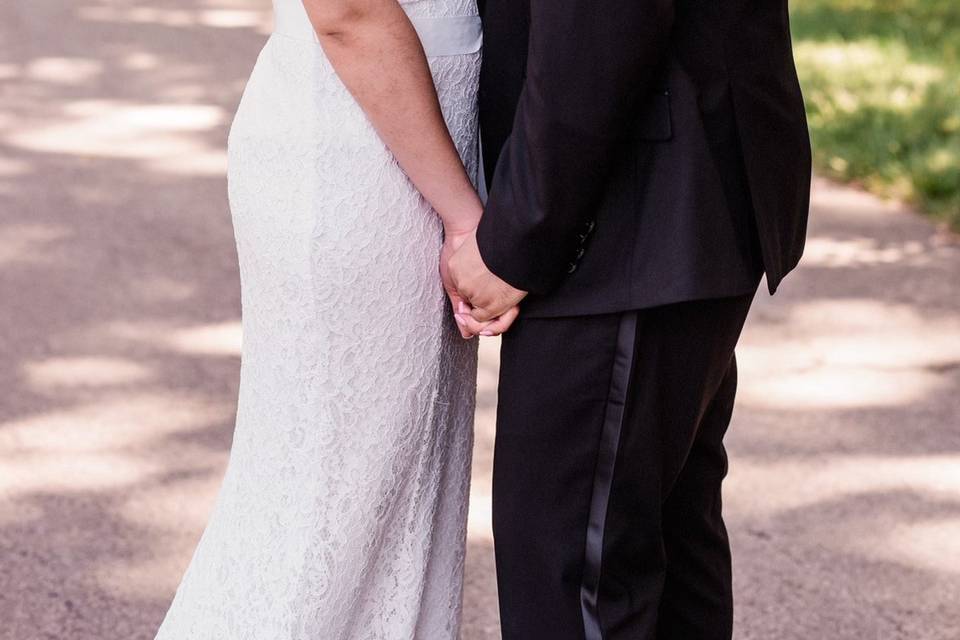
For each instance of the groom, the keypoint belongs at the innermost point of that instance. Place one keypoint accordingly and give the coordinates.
(649, 162)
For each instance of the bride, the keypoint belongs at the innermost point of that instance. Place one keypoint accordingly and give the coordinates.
(353, 158)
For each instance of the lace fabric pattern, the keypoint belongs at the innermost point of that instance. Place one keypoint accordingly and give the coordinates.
(342, 515)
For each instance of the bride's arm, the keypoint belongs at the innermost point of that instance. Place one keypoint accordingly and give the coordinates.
(377, 54)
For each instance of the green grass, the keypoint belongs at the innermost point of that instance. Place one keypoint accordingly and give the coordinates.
(881, 80)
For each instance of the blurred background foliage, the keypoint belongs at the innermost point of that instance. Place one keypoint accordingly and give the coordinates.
(881, 80)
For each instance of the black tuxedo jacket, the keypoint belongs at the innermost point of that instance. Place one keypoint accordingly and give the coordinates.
(640, 152)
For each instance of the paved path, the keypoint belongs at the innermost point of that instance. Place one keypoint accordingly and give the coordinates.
(119, 351)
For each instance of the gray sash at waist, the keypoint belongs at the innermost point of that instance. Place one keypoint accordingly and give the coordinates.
(445, 36)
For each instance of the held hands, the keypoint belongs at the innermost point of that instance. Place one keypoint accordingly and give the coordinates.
(483, 304)
(451, 243)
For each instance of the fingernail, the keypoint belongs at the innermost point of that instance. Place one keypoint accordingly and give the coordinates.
(488, 334)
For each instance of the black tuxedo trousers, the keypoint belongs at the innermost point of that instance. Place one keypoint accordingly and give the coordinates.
(607, 473)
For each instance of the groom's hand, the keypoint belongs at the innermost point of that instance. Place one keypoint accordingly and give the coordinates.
(491, 299)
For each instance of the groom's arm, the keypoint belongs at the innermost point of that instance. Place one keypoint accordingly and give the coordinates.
(590, 63)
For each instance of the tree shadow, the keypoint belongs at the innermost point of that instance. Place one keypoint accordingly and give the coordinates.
(115, 245)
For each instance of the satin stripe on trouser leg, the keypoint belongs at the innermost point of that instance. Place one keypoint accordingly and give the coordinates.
(603, 474)
(638, 553)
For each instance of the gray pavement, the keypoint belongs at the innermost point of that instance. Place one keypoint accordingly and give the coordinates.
(119, 345)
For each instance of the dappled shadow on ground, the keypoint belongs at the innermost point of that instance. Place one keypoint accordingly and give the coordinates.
(119, 325)
(120, 338)
(844, 494)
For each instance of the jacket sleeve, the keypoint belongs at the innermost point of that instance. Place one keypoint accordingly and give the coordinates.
(589, 64)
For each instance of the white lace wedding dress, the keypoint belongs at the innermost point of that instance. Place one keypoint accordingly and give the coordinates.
(343, 511)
